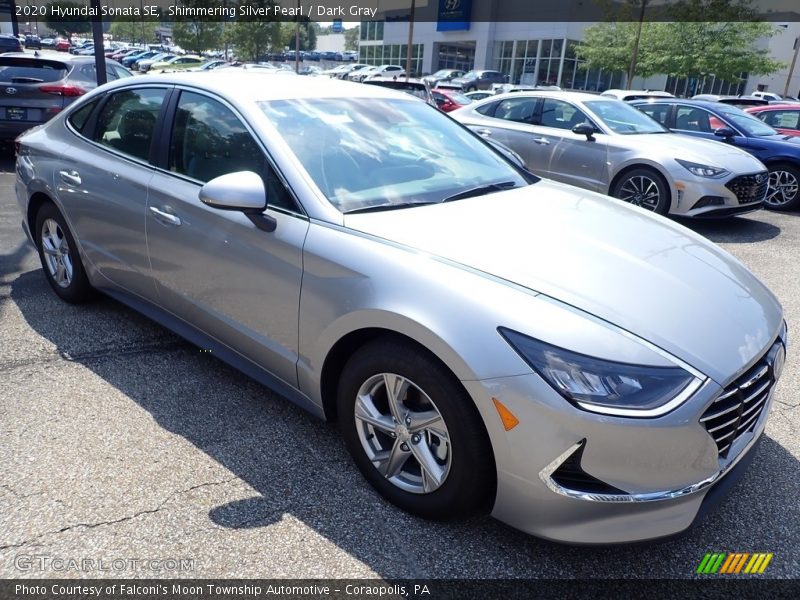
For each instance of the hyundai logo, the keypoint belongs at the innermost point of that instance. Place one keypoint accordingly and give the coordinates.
(761, 177)
(452, 4)
(11, 91)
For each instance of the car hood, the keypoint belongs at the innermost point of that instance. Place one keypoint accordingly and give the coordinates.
(641, 272)
(699, 150)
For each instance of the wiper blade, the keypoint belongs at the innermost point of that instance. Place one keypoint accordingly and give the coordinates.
(387, 206)
(481, 190)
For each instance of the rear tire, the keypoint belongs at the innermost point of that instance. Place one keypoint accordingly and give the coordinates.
(414, 433)
(59, 255)
(643, 187)
(784, 187)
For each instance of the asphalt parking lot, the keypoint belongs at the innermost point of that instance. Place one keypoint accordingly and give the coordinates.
(120, 441)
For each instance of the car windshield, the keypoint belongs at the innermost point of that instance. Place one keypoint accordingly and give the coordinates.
(624, 119)
(470, 75)
(459, 98)
(442, 73)
(749, 124)
(365, 153)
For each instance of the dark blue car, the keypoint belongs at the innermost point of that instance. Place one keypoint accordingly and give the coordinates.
(722, 122)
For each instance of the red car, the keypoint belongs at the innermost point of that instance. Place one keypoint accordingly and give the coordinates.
(447, 99)
(62, 45)
(783, 117)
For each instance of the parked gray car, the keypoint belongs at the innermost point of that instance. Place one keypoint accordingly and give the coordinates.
(604, 145)
(488, 341)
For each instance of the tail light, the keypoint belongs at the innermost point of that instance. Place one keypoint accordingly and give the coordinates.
(62, 90)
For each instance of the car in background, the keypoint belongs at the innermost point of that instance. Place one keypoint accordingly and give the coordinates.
(737, 129)
(415, 87)
(448, 100)
(488, 341)
(8, 43)
(740, 101)
(350, 55)
(48, 42)
(785, 118)
(143, 64)
(310, 70)
(132, 61)
(386, 71)
(362, 73)
(33, 42)
(773, 97)
(479, 95)
(178, 63)
(210, 65)
(476, 80)
(441, 75)
(62, 45)
(607, 146)
(35, 89)
(628, 95)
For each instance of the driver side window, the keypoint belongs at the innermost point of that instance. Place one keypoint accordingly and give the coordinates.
(208, 140)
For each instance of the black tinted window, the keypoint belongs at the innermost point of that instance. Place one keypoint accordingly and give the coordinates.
(516, 109)
(25, 70)
(128, 120)
(80, 117)
(209, 140)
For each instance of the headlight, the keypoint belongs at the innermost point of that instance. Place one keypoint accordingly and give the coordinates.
(605, 386)
(702, 170)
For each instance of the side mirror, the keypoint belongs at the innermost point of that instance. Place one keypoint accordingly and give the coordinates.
(724, 132)
(586, 129)
(242, 191)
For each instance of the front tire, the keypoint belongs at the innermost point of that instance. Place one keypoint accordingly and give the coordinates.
(645, 188)
(784, 188)
(59, 255)
(414, 433)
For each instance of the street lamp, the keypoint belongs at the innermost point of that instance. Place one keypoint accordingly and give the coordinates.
(791, 68)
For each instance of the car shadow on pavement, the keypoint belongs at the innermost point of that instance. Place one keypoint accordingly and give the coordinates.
(732, 230)
(299, 469)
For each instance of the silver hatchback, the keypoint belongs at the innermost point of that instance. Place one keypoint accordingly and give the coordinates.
(604, 145)
(488, 341)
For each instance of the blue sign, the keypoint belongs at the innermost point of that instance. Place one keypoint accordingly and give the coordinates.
(454, 15)
(337, 26)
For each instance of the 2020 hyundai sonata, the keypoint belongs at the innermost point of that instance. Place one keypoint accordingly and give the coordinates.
(488, 341)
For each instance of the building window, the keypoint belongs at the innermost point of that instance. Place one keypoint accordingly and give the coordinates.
(395, 54)
(371, 31)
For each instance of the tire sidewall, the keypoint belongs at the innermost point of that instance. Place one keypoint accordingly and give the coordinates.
(464, 490)
(665, 198)
(79, 289)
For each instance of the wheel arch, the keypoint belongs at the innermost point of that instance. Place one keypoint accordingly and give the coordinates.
(35, 203)
(639, 164)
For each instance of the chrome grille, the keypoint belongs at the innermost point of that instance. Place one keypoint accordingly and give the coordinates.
(737, 409)
(749, 188)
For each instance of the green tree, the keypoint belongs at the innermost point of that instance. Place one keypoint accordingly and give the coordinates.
(198, 36)
(68, 25)
(351, 37)
(134, 31)
(254, 38)
(308, 35)
(687, 45)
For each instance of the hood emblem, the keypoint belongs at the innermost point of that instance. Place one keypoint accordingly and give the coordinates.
(11, 91)
(761, 177)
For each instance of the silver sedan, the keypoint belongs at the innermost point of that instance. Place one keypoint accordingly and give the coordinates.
(582, 369)
(602, 144)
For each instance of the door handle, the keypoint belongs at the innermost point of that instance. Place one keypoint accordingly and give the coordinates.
(165, 217)
(484, 132)
(541, 140)
(70, 177)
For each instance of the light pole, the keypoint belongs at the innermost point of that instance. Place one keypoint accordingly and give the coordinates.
(791, 68)
(410, 38)
(635, 53)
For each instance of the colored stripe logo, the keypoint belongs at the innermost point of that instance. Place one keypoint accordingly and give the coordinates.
(734, 563)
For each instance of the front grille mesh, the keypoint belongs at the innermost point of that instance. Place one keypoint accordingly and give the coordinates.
(737, 409)
(747, 187)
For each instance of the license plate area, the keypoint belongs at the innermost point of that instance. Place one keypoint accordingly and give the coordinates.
(14, 113)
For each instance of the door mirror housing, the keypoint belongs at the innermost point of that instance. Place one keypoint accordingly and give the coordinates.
(724, 132)
(242, 191)
(586, 129)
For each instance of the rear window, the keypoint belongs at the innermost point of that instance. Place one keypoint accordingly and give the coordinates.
(26, 70)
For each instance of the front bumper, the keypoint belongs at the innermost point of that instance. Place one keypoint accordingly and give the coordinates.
(705, 197)
(637, 479)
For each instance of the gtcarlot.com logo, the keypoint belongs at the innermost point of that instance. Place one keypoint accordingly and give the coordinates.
(734, 563)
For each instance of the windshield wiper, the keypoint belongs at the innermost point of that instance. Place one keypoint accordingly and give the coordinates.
(481, 190)
(387, 206)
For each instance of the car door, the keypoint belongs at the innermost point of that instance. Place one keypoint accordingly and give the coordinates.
(509, 121)
(103, 181)
(566, 156)
(785, 120)
(699, 122)
(215, 268)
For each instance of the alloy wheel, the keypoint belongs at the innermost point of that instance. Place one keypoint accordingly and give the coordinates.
(641, 190)
(783, 188)
(403, 433)
(57, 255)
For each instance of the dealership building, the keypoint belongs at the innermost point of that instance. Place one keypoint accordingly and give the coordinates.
(534, 43)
